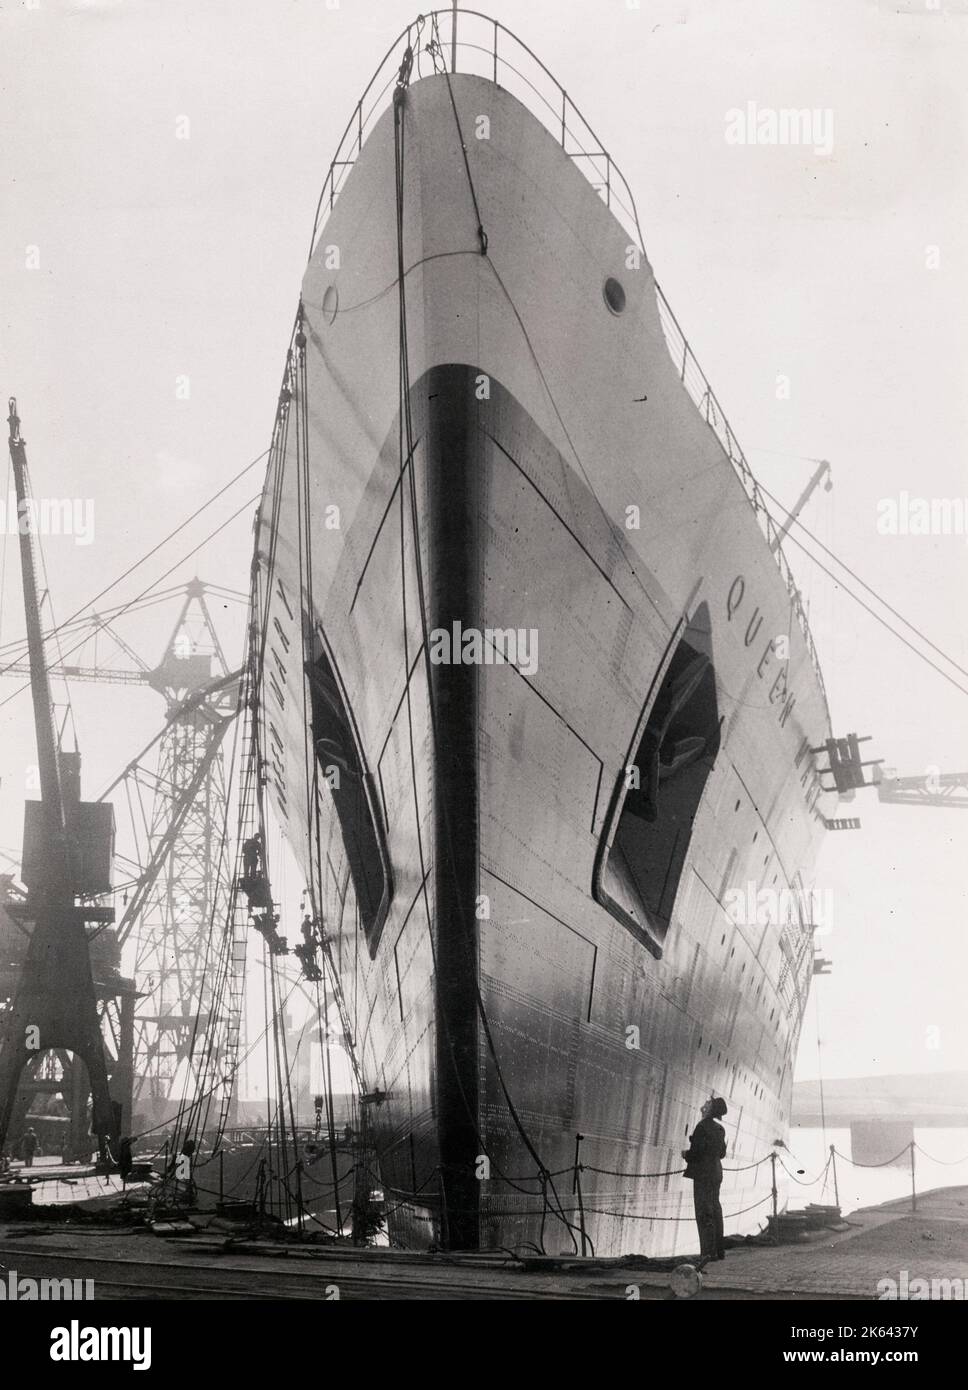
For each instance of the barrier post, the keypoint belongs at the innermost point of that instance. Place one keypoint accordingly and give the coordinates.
(776, 1222)
(576, 1189)
(301, 1218)
(914, 1193)
(833, 1164)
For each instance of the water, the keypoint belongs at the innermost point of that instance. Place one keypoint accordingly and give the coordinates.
(947, 1166)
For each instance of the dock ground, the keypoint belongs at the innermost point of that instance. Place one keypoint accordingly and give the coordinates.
(880, 1243)
(888, 1242)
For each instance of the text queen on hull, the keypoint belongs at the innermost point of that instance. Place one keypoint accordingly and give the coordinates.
(519, 861)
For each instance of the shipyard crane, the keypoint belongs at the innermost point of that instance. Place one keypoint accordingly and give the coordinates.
(821, 474)
(846, 768)
(174, 790)
(948, 789)
(845, 764)
(52, 981)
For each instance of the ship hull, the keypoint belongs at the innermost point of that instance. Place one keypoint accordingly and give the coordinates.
(529, 725)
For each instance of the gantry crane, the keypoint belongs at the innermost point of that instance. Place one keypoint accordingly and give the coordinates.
(181, 894)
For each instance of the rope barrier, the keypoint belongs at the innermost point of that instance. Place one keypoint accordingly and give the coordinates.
(945, 1162)
(616, 1173)
(809, 1182)
(821, 1176)
(885, 1164)
(566, 1210)
(746, 1167)
(634, 1216)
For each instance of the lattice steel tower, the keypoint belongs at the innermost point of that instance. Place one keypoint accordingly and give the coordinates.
(181, 901)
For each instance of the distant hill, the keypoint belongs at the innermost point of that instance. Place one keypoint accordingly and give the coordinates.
(926, 1098)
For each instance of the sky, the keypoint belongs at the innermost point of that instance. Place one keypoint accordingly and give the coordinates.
(160, 163)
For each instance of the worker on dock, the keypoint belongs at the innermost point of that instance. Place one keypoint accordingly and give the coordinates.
(28, 1147)
(704, 1166)
(125, 1159)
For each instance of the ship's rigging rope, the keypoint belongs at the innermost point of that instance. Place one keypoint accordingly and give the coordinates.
(867, 608)
(296, 385)
(407, 452)
(407, 446)
(215, 1071)
(223, 1020)
(481, 234)
(60, 627)
(217, 1026)
(322, 1015)
(125, 607)
(3, 556)
(165, 1124)
(482, 237)
(620, 540)
(349, 308)
(250, 807)
(276, 1060)
(319, 927)
(224, 1017)
(281, 1132)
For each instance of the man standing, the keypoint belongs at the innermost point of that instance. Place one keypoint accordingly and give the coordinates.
(707, 1149)
(125, 1159)
(28, 1147)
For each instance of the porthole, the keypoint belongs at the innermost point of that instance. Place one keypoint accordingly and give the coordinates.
(330, 303)
(614, 295)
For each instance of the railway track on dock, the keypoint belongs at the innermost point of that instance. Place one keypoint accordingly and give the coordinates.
(120, 1277)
